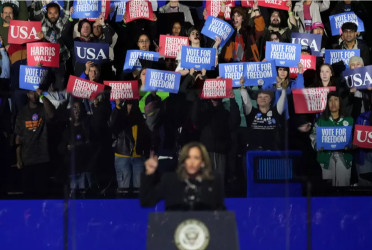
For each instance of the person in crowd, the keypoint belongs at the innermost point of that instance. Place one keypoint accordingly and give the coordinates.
(174, 6)
(350, 41)
(335, 164)
(307, 12)
(32, 142)
(326, 77)
(177, 29)
(242, 45)
(265, 122)
(131, 143)
(194, 186)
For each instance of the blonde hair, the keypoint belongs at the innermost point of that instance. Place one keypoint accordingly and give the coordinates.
(205, 171)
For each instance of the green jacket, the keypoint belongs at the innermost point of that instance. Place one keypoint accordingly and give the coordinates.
(324, 156)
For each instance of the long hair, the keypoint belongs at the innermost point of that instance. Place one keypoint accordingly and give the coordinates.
(285, 83)
(332, 82)
(205, 171)
(327, 113)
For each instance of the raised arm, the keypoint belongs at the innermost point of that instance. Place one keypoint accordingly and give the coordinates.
(281, 102)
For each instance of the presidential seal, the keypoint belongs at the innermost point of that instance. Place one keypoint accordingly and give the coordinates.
(260, 82)
(191, 234)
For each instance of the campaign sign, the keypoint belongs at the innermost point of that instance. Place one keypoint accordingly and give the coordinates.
(308, 61)
(31, 77)
(259, 73)
(247, 3)
(233, 71)
(118, 6)
(46, 2)
(82, 88)
(160, 80)
(216, 88)
(359, 78)
(284, 54)
(275, 4)
(132, 61)
(334, 138)
(213, 7)
(215, 27)
(123, 90)
(87, 9)
(105, 5)
(314, 41)
(94, 52)
(311, 100)
(45, 53)
(338, 20)
(363, 136)
(198, 58)
(139, 9)
(170, 46)
(332, 56)
(21, 32)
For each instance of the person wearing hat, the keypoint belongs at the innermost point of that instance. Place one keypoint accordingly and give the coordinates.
(335, 164)
(350, 41)
(307, 12)
(318, 29)
(264, 123)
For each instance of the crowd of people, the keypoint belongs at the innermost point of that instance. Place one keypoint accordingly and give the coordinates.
(51, 141)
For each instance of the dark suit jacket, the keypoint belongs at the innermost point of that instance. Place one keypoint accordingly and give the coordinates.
(209, 194)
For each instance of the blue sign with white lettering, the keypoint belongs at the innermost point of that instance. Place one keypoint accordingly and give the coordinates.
(61, 4)
(215, 27)
(314, 41)
(87, 9)
(232, 71)
(132, 61)
(332, 56)
(161, 80)
(260, 73)
(118, 6)
(284, 54)
(334, 138)
(359, 78)
(31, 77)
(97, 53)
(198, 58)
(338, 20)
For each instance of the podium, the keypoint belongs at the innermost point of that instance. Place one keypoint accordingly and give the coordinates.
(192, 231)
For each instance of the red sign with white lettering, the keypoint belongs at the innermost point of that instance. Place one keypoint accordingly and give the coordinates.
(217, 88)
(276, 4)
(308, 61)
(170, 46)
(21, 32)
(311, 100)
(139, 9)
(247, 3)
(45, 53)
(363, 136)
(213, 7)
(82, 88)
(123, 90)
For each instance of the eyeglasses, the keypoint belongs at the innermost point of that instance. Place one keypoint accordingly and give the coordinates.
(144, 41)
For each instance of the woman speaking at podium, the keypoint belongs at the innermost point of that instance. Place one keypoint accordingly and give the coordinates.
(192, 187)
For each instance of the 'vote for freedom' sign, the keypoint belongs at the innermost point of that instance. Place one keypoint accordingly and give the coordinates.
(259, 73)
(215, 27)
(123, 90)
(198, 58)
(118, 6)
(170, 46)
(87, 9)
(45, 53)
(308, 61)
(338, 20)
(82, 88)
(216, 88)
(284, 54)
(132, 61)
(139, 9)
(332, 56)
(276, 4)
(30, 78)
(21, 32)
(94, 52)
(314, 41)
(233, 71)
(363, 136)
(334, 138)
(311, 100)
(105, 10)
(359, 78)
(160, 80)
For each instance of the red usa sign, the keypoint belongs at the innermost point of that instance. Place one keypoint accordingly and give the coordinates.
(21, 32)
(82, 88)
(363, 136)
(45, 53)
(123, 90)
